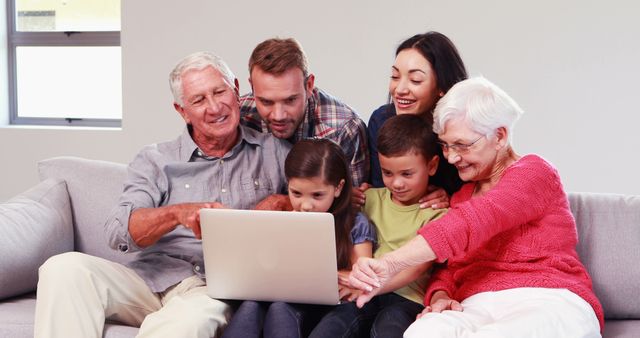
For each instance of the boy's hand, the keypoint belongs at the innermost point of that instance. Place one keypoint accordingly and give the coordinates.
(436, 198)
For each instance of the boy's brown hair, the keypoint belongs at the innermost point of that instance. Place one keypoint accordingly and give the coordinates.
(402, 134)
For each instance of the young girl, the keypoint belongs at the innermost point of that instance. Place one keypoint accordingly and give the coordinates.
(319, 181)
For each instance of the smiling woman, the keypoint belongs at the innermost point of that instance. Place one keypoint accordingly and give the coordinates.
(426, 66)
(495, 237)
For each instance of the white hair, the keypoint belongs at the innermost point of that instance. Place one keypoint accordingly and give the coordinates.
(196, 61)
(483, 105)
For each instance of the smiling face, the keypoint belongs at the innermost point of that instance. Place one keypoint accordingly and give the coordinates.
(413, 86)
(478, 162)
(210, 105)
(281, 99)
(407, 176)
(312, 194)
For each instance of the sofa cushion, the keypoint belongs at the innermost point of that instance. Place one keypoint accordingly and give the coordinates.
(35, 226)
(17, 317)
(609, 246)
(94, 187)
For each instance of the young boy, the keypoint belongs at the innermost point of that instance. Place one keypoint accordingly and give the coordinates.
(408, 153)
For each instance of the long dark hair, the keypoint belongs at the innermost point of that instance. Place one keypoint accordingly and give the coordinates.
(443, 56)
(323, 158)
(447, 64)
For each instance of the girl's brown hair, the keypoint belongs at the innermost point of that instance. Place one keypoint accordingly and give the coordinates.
(323, 158)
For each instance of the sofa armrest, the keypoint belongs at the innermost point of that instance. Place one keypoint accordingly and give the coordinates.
(34, 226)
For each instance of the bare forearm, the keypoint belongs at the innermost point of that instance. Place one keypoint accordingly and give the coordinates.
(405, 277)
(147, 226)
(417, 251)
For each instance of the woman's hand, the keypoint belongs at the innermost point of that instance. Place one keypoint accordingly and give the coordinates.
(441, 302)
(357, 195)
(436, 198)
(368, 275)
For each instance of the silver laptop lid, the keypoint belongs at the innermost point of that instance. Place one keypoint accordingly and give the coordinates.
(270, 255)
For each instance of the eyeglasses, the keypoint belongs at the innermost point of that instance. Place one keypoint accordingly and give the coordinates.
(459, 148)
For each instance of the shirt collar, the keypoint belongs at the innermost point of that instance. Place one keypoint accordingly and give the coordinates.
(307, 126)
(189, 149)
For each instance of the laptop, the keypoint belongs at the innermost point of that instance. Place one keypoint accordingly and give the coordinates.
(270, 255)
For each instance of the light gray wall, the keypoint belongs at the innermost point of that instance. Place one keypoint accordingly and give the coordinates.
(572, 65)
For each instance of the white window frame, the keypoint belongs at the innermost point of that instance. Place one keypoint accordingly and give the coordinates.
(46, 39)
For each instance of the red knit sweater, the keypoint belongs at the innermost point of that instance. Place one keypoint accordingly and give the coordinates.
(521, 233)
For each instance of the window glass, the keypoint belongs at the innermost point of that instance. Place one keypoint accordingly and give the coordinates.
(67, 15)
(69, 82)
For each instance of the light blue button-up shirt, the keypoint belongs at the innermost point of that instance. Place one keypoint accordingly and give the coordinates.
(178, 172)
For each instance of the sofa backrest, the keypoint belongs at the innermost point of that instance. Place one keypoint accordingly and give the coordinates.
(94, 188)
(609, 247)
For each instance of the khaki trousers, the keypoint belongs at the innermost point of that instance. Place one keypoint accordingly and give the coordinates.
(78, 292)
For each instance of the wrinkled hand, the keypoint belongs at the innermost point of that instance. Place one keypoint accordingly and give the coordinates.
(357, 195)
(436, 198)
(441, 302)
(275, 202)
(189, 215)
(368, 275)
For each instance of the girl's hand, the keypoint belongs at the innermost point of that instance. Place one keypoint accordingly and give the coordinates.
(343, 278)
(347, 293)
(441, 302)
(436, 198)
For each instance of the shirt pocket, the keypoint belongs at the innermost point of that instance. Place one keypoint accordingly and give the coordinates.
(185, 189)
(254, 190)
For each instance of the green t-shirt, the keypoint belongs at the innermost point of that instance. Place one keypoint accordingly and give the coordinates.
(396, 225)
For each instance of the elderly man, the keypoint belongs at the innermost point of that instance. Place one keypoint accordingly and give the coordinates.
(215, 162)
(286, 103)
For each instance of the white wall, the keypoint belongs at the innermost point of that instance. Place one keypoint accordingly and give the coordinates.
(572, 65)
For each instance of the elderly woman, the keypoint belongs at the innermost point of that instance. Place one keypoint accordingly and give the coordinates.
(507, 243)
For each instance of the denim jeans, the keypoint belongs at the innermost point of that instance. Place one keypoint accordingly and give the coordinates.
(385, 316)
(278, 319)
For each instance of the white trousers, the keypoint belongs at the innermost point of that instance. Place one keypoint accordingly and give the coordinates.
(78, 292)
(513, 313)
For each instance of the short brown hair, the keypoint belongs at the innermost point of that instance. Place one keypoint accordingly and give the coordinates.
(276, 56)
(402, 134)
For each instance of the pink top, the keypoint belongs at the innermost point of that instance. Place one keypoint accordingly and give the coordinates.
(521, 233)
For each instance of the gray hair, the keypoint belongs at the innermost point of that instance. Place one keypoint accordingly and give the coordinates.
(480, 103)
(196, 61)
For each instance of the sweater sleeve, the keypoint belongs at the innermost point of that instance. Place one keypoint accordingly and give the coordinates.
(523, 194)
(441, 280)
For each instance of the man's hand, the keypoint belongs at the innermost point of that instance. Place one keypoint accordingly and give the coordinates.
(189, 215)
(275, 202)
(357, 195)
(436, 198)
(148, 225)
(441, 302)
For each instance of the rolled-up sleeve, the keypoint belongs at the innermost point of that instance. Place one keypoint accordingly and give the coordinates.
(145, 187)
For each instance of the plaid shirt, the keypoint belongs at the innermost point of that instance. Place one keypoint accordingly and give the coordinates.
(325, 117)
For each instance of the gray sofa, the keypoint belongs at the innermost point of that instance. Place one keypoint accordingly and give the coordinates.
(67, 209)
